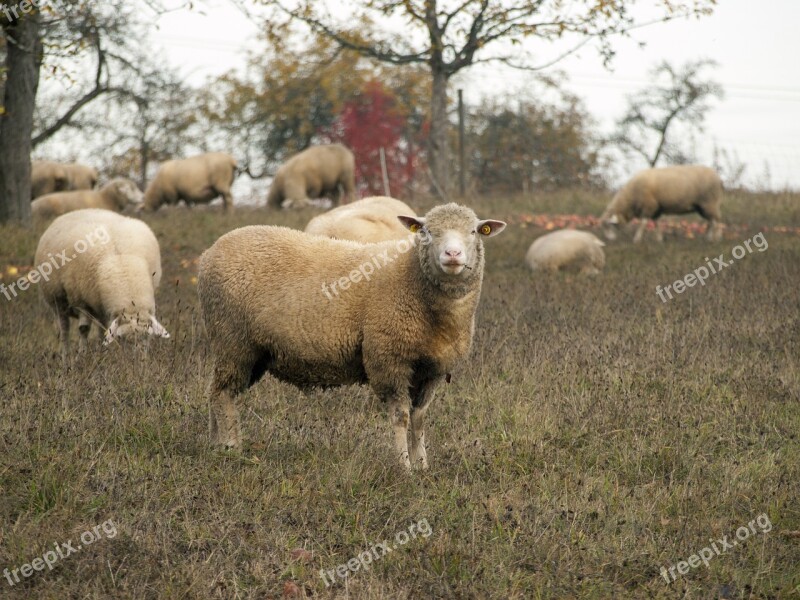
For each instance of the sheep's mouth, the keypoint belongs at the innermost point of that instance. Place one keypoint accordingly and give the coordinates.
(453, 267)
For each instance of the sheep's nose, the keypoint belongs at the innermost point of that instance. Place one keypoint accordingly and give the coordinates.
(453, 253)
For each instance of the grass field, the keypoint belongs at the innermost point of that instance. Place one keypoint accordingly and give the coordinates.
(596, 435)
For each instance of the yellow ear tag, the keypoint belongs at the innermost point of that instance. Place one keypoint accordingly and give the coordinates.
(414, 228)
(486, 230)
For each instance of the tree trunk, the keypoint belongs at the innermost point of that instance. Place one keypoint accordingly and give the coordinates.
(23, 59)
(438, 145)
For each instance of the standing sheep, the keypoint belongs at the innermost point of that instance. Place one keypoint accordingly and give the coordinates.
(668, 190)
(115, 195)
(199, 179)
(567, 249)
(48, 177)
(269, 300)
(110, 267)
(317, 172)
(369, 221)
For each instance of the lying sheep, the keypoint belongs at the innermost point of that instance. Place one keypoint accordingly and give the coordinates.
(199, 179)
(48, 177)
(107, 268)
(115, 195)
(567, 249)
(369, 221)
(668, 190)
(320, 171)
(267, 305)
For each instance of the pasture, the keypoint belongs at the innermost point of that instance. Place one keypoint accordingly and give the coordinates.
(596, 435)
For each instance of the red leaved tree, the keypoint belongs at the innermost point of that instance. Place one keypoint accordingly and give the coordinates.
(371, 121)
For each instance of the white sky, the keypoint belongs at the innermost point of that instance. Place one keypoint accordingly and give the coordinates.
(755, 44)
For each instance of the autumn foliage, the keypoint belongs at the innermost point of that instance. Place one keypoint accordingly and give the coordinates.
(371, 121)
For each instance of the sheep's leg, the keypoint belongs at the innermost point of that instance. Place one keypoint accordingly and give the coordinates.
(63, 331)
(399, 415)
(640, 231)
(422, 399)
(227, 200)
(714, 231)
(659, 232)
(227, 383)
(84, 327)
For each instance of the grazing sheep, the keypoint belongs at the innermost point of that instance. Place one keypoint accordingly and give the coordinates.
(269, 300)
(369, 221)
(668, 190)
(107, 268)
(48, 177)
(115, 195)
(199, 179)
(317, 172)
(567, 249)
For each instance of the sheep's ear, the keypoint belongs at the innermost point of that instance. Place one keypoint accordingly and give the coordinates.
(413, 224)
(489, 227)
(111, 332)
(156, 328)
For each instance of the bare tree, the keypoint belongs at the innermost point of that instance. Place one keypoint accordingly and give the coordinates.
(677, 96)
(67, 32)
(451, 35)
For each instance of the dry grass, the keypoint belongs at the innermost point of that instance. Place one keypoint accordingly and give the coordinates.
(596, 435)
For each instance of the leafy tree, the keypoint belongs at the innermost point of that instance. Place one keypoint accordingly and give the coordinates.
(292, 96)
(532, 146)
(675, 97)
(447, 36)
(372, 121)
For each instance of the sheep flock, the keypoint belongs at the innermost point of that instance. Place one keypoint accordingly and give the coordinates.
(369, 293)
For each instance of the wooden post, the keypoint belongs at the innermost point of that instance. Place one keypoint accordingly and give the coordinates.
(384, 173)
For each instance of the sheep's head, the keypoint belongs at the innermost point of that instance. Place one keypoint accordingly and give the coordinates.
(127, 325)
(451, 237)
(125, 192)
(610, 225)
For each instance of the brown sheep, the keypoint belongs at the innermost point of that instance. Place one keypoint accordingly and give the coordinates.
(369, 220)
(48, 177)
(667, 190)
(319, 171)
(115, 195)
(199, 179)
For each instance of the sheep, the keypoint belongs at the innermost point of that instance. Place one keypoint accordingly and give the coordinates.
(115, 195)
(48, 177)
(567, 249)
(199, 179)
(673, 190)
(319, 171)
(269, 302)
(110, 267)
(369, 221)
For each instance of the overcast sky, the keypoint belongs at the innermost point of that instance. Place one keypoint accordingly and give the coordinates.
(755, 43)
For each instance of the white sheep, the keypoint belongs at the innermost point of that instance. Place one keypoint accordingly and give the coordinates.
(567, 249)
(115, 195)
(97, 265)
(198, 179)
(314, 311)
(673, 190)
(369, 220)
(319, 171)
(48, 177)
